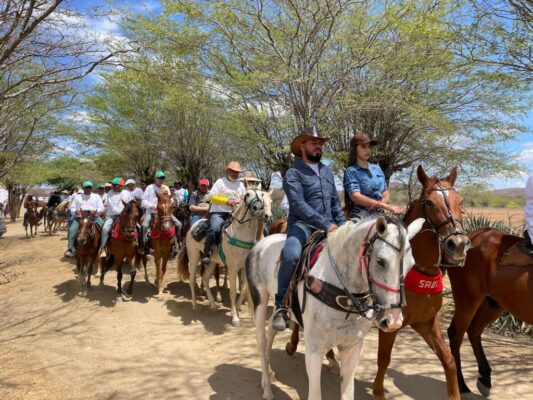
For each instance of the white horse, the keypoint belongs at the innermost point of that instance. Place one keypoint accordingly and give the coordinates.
(244, 231)
(367, 260)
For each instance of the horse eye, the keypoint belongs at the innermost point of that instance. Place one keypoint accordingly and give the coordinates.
(381, 262)
(429, 202)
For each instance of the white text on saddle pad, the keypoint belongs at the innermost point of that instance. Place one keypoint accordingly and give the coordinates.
(427, 284)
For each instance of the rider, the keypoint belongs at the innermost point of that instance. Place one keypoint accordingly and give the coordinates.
(528, 211)
(198, 204)
(250, 180)
(314, 204)
(29, 202)
(224, 195)
(54, 201)
(87, 201)
(114, 205)
(100, 191)
(181, 194)
(135, 192)
(149, 203)
(365, 187)
(107, 187)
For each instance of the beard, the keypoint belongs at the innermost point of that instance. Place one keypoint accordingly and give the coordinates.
(314, 157)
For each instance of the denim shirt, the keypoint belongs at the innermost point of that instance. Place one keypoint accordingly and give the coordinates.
(370, 182)
(313, 199)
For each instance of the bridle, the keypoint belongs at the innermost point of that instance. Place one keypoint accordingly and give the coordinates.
(248, 206)
(359, 302)
(84, 230)
(162, 218)
(128, 231)
(435, 228)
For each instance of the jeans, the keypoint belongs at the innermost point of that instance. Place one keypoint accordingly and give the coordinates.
(216, 221)
(297, 235)
(73, 230)
(195, 219)
(106, 230)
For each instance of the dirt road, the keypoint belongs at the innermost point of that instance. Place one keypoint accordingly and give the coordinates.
(57, 345)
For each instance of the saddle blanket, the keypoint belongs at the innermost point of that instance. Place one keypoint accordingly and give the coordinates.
(418, 282)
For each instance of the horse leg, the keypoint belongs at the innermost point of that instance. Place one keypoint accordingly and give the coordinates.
(485, 315)
(432, 334)
(292, 344)
(193, 263)
(235, 321)
(262, 345)
(217, 280)
(81, 267)
(349, 357)
(313, 364)
(144, 261)
(118, 265)
(461, 320)
(89, 271)
(163, 262)
(133, 273)
(205, 279)
(385, 345)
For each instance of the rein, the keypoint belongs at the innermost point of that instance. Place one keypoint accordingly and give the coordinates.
(237, 242)
(450, 220)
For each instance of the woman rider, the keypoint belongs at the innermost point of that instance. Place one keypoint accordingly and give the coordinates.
(365, 187)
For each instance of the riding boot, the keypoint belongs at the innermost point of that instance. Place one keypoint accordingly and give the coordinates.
(206, 259)
(140, 239)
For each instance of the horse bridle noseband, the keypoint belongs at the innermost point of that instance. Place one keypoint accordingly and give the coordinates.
(450, 220)
(255, 200)
(360, 302)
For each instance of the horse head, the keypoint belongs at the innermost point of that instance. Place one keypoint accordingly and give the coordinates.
(164, 212)
(86, 227)
(128, 220)
(441, 206)
(253, 203)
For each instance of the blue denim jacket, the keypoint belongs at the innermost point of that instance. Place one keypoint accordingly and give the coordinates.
(313, 200)
(370, 182)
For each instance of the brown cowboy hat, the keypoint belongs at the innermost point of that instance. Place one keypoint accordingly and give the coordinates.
(250, 177)
(308, 133)
(234, 166)
(362, 138)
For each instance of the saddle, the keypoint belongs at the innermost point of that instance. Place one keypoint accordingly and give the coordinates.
(116, 232)
(517, 255)
(155, 233)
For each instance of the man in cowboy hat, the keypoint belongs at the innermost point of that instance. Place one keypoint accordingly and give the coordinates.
(224, 195)
(314, 204)
(198, 204)
(86, 201)
(149, 203)
(114, 204)
(250, 180)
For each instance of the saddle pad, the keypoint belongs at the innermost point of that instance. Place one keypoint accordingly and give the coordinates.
(417, 282)
(154, 234)
(514, 256)
(115, 233)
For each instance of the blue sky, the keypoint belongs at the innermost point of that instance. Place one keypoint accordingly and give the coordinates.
(521, 149)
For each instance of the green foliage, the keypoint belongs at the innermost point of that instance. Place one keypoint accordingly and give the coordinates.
(474, 222)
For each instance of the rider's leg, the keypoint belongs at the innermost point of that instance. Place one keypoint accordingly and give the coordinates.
(74, 226)
(106, 230)
(297, 235)
(143, 240)
(178, 226)
(216, 220)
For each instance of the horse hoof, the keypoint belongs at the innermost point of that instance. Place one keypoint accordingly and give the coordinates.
(290, 348)
(83, 293)
(484, 390)
(219, 298)
(120, 298)
(214, 307)
(126, 297)
(236, 322)
(97, 275)
(161, 297)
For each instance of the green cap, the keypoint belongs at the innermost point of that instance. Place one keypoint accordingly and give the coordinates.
(101, 186)
(118, 181)
(87, 184)
(160, 175)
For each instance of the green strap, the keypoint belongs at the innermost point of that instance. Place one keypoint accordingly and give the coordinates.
(234, 242)
(222, 255)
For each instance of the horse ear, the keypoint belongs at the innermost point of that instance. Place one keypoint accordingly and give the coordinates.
(453, 176)
(381, 227)
(422, 177)
(415, 227)
(125, 204)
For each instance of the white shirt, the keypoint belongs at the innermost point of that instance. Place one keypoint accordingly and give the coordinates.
(136, 193)
(113, 204)
(284, 205)
(86, 202)
(104, 197)
(528, 211)
(225, 188)
(150, 196)
(180, 194)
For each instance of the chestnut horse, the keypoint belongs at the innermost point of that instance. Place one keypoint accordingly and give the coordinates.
(123, 243)
(32, 220)
(162, 239)
(441, 241)
(87, 250)
(508, 286)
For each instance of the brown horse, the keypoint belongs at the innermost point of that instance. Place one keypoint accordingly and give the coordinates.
(32, 219)
(54, 218)
(183, 214)
(280, 226)
(483, 290)
(162, 239)
(123, 244)
(87, 251)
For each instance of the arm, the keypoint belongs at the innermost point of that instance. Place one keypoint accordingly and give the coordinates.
(214, 194)
(147, 198)
(199, 208)
(336, 209)
(294, 190)
(99, 205)
(73, 205)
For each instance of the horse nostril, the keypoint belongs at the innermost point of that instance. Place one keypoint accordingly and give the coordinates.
(450, 244)
(384, 323)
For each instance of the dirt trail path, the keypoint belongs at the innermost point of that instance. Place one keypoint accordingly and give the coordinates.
(56, 345)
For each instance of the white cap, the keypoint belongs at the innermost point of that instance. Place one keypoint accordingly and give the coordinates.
(130, 181)
(80, 191)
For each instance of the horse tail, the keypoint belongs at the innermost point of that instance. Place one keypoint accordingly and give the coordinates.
(183, 264)
(254, 298)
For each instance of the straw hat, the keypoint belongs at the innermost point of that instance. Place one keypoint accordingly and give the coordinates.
(234, 166)
(250, 177)
(308, 133)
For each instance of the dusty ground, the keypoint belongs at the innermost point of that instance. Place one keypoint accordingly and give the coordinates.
(56, 345)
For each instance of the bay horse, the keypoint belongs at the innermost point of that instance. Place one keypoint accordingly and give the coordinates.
(162, 239)
(88, 242)
(183, 214)
(122, 245)
(237, 239)
(56, 217)
(363, 264)
(482, 291)
(32, 220)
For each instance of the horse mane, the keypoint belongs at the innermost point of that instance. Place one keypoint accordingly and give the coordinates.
(61, 207)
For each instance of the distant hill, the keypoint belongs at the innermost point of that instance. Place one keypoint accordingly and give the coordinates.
(510, 192)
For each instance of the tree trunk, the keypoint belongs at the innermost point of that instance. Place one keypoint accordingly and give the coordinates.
(14, 199)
